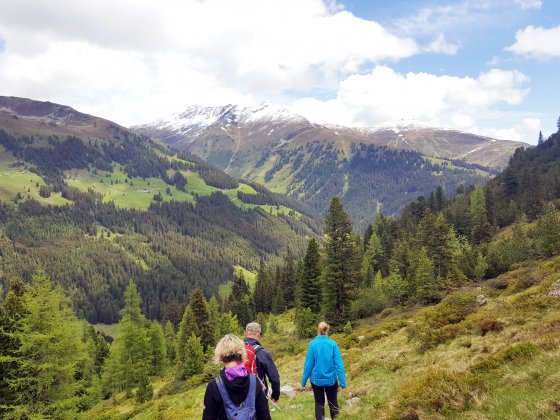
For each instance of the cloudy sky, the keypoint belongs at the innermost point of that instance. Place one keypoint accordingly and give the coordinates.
(484, 66)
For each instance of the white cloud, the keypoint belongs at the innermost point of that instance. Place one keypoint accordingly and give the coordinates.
(132, 60)
(440, 45)
(537, 42)
(529, 4)
(383, 94)
(526, 131)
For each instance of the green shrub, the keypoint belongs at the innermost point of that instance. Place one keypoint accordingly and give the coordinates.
(437, 392)
(367, 302)
(453, 309)
(515, 354)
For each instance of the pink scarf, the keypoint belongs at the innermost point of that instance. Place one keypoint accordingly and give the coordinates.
(235, 371)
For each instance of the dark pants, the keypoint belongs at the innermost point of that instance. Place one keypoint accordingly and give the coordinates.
(319, 394)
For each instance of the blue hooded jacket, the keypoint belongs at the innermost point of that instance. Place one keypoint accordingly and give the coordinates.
(323, 363)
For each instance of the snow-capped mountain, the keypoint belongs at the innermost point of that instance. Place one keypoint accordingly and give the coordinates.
(390, 164)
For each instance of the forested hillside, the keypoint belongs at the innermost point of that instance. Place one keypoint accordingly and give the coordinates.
(370, 170)
(95, 205)
(446, 284)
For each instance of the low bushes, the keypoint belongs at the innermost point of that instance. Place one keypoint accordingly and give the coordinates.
(437, 392)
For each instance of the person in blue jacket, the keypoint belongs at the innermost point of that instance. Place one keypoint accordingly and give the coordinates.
(323, 365)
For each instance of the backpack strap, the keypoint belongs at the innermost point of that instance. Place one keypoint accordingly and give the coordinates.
(228, 403)
(250, 400)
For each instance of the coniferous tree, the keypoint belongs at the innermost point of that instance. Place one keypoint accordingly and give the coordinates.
(200, 311)
(158, 348)
(261, 288)
(130, 359)
(424, 277)
(228, 324)
(187, 327)
(541, 139)
(289, 280)
(11, 310)
(371, 263)
(170, 342)
(310, 286)
(193, 359)
(49, 354)
(480, 227)
(214, 318)
(341, 272)
(548, 231)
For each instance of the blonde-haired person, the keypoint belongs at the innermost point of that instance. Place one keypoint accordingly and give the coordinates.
(234, 390)
(323, 365)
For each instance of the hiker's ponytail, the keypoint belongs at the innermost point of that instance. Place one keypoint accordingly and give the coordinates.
(323, 328)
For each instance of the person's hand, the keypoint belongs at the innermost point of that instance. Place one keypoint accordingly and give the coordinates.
(275, 401)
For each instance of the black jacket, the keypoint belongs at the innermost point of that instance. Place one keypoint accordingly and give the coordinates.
(237, 391)
(266, 368)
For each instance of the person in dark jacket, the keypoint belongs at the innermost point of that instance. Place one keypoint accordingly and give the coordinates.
(265, 365)
(323, 365)
(230, 351)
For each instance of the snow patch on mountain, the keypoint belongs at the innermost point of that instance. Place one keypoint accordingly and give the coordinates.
(195, 118)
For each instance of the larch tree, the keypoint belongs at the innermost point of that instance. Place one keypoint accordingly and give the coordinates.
(49, 354)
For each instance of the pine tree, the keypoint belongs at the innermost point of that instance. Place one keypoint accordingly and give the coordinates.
(480, 227)
(214, 318)
(170, 342)
(158, 347)
(310, 286)
(130, 359)
(11, 310)
(480, 267)
(541, 139)
(558, 123)
(372, 259)
(341, 271)
(261, 288)
(424, 277)
(200, 311)
(228, 324)
(548, 231)
(187, 327)
(194, 358)
(289, 280)
(49, 356)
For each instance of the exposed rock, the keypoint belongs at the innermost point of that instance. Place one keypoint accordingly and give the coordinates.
(295, 407)
(555, 289)
(481, 300)
(288, 390)
(361, 337)
(352, 401)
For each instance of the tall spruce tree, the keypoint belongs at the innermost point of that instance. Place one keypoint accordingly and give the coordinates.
(541, 139)
(262, 289)
(341, 272)
(187, 327)
(310, 284)
(289, 279)
(158, 348)
(481, 230)
(200, 311)
(170, 341)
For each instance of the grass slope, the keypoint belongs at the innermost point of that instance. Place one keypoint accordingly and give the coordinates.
(491, 361)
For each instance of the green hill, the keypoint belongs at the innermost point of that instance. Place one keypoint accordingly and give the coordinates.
(96, 205)
(495, 360)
